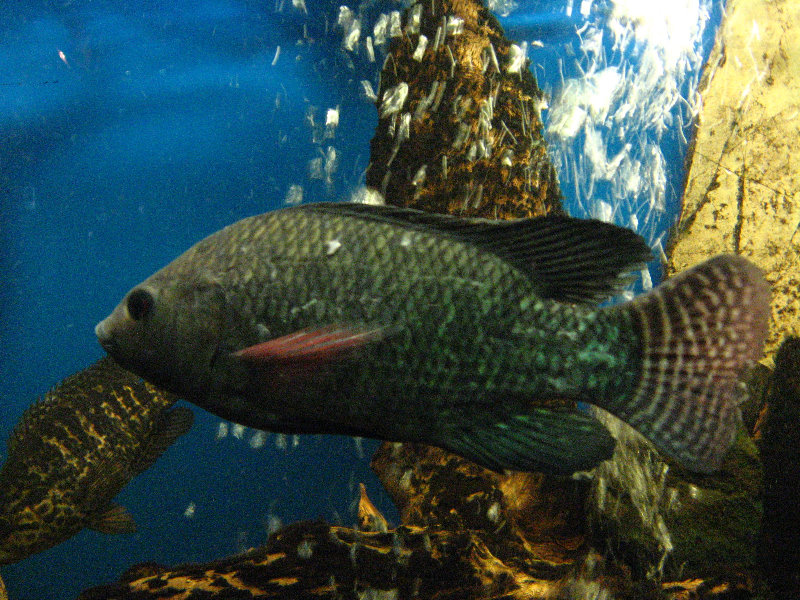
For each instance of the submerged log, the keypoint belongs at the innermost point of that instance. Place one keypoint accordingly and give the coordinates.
(459, 125)
(317, 560)
(467, 533)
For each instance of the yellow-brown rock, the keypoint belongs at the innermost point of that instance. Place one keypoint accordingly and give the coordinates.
(743, 189)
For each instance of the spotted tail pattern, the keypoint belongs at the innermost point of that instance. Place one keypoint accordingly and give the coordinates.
(698, 332)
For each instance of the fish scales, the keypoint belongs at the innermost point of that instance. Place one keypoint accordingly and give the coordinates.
(477, 337)
(74, 450)
(373, 278)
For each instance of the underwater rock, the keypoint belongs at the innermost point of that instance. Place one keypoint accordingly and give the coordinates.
(459, 126)
(742, 194)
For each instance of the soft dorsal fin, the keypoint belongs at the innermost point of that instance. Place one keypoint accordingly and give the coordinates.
(569, 260)
(170, 426)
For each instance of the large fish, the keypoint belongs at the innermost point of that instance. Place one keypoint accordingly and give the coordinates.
(465, 334)
(74, 450)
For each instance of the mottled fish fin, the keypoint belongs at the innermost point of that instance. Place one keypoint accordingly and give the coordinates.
(171, 425)
(310, 347)
(568, 259)
(114, 519)
(109, 475)
(699, 331)
(558, 441)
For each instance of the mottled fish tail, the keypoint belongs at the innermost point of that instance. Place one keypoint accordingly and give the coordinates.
(699, 331)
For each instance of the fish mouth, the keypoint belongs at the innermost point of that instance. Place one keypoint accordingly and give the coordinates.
(101, 330)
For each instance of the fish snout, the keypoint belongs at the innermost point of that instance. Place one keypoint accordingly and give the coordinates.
(103, 332)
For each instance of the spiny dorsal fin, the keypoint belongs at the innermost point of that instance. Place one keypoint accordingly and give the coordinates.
(570, 260)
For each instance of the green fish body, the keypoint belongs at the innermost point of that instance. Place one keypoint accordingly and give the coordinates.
(74, 450)
(475, 336)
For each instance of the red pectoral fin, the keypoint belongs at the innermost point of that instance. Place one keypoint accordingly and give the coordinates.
(311, 346)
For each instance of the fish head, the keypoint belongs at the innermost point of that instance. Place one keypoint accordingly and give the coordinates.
(23, 530)
(168, 330)
(23, 534)
(9, 546)
(13, 546)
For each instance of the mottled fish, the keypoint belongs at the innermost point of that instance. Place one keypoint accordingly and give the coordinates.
(74, 450)
(466, 334)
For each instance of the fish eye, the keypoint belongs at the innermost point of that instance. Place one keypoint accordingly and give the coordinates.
(140, 304)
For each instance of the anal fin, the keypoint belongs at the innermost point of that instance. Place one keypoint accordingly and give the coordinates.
(115, 519)
(558, 442)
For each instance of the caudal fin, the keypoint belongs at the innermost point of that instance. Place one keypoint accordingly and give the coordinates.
(699, 331)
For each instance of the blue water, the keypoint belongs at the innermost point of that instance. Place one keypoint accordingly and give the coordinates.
(163, 122)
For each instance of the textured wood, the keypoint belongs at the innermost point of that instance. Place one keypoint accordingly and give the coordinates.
(468, 533)
(473, 143)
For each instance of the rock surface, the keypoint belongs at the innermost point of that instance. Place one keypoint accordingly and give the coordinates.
(743, 189)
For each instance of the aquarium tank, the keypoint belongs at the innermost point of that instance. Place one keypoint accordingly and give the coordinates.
(129, 130)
